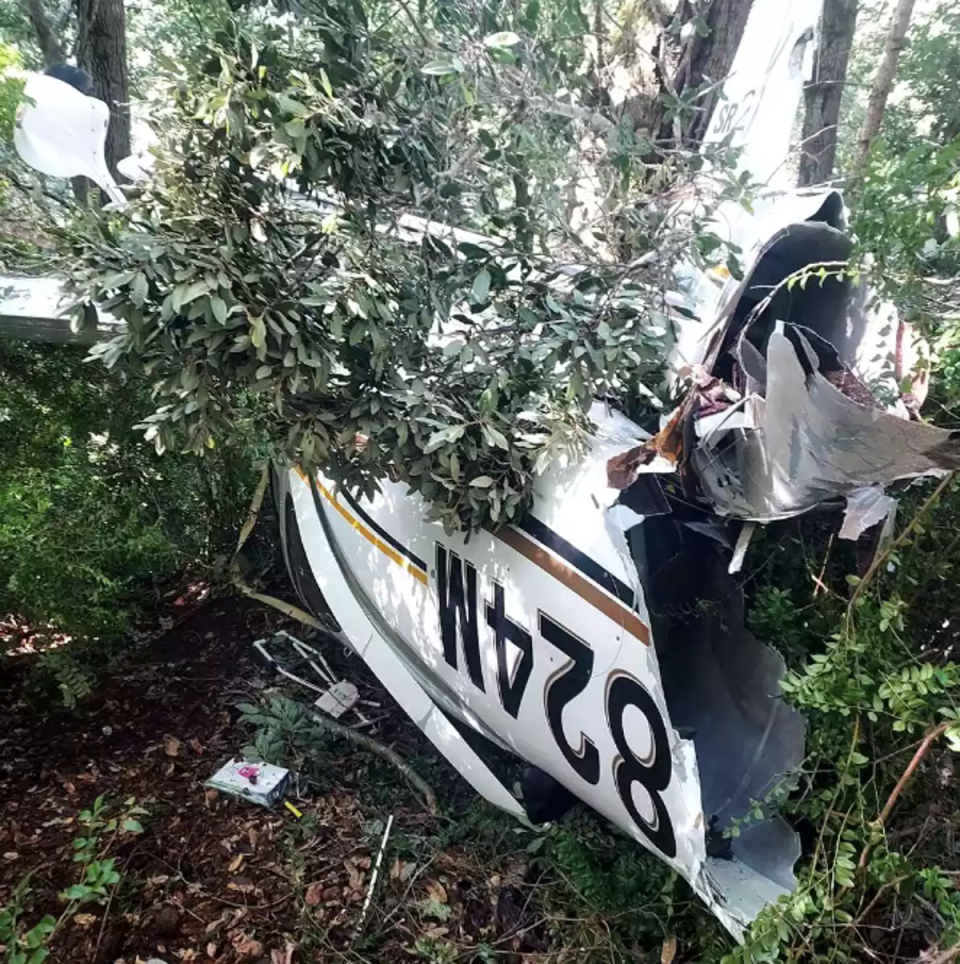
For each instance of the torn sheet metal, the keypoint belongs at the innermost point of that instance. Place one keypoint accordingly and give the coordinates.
(866, 508)
(805, 391)
(813, 441)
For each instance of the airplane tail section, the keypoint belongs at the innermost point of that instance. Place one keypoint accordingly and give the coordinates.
(760, 98)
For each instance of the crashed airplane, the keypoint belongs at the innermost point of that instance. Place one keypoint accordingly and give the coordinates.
(601, 641)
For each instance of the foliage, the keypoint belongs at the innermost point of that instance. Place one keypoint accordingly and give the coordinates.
(92, 522)
(611, 899)
(908, 217)
(73, 678)
(906, 198)
(23, 946)
(284, 734)
(872, 676)
(271, 288)
(97, 875)
(11, 89)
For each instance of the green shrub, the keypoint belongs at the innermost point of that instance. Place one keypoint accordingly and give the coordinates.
(92, 522)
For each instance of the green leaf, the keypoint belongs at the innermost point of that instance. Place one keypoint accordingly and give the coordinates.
(505, 38)
(442, 437)
(132, 826)
(257, 155)
(495, 437)
(219, 308)
(325, 82)
(76, 892)
(481, 286)
(291, 106)
(258, 334)
(482, 482)
(139, 289)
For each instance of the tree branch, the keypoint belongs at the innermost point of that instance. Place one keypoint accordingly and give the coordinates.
(47, 40)
(881, 820)
(332, 727)
(886, 75)
(64, 16)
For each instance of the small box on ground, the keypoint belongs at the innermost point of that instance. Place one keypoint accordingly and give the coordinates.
(260, 783)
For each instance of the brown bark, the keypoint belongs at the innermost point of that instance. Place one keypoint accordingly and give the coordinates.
(824, 93)
(102, 52)
(710, 56)
(883, 82)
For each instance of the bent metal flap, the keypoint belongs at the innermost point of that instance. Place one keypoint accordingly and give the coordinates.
(538, 637)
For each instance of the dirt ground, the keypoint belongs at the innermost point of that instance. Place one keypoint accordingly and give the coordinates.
(213, 879)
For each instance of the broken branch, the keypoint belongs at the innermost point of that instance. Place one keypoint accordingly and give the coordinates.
(928, 740)
(333, 728)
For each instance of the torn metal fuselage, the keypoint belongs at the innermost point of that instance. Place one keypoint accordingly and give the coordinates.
(602, 639)
(566, 640)
(806, 390)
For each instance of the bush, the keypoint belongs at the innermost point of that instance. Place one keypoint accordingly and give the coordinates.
(92, 521)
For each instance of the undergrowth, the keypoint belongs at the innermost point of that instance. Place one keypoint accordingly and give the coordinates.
(871, 670)
(94, 526)
(95, 879)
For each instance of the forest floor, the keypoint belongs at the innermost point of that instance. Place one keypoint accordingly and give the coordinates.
(214, 879)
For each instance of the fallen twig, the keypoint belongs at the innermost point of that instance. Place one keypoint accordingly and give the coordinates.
(391, 756)
(928, 740)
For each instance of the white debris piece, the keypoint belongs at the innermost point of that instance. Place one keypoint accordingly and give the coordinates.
(865, 508)
(338, 699)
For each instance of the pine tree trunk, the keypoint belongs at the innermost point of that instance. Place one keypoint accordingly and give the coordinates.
(710, 56)
(102, 52)
(824, 93)
(883, 82)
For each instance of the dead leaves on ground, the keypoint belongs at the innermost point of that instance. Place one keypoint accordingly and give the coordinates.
(213, 880)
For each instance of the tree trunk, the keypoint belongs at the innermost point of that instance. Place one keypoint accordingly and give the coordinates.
(824, 93)
(883, 82)
(710, 56)
(102, 53)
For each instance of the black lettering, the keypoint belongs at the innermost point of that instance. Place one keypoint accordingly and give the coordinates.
(512, 686)
(653, 773)
(565, 686)
(459, 606)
